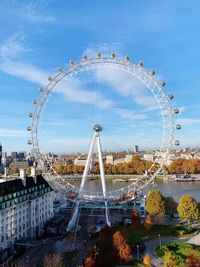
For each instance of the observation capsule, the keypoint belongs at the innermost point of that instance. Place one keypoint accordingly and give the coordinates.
(177, 143)
(29, 142)
(98, 55)
(29, 128)
(72, 62)
(152, 72)
(140, 64)
(176, 111)
(85, 57)
(127, 58)
(30, 114)
(163, 83)
(178, 126)
(171, 96)
(41, 89)
(50, 79)
(113, 55)
(35, 101)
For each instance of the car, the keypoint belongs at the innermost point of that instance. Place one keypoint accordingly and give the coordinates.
(127, 221)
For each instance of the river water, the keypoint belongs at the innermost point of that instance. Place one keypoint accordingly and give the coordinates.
(168, 188)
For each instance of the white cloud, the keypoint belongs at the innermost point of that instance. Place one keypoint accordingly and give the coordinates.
(189, 121)
(11, 54)
(127, 86)
(12, 133)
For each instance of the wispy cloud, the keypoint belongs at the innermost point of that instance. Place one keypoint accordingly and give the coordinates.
(189, 121)
(12, 133)
(11, 55)
(31, 11)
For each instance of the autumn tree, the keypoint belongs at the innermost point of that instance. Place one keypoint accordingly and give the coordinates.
(123, 248)
(175, 166)
(193, 260)
(147, 260)
(125, 252)
(92, 258)
(170, 259)
(188, 208)
(149, 222)
(106, 244)
(155, 203)
(170, 206)
(118, 239)
(53, 260)
(14, 170)
(135, 217)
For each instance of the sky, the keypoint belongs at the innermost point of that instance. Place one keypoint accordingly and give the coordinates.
(37, 37)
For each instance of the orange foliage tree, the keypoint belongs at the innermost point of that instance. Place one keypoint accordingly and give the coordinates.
(92, 259)
(125, 252)
(123, 248)
(149, 222)
(118, 239)
(147, 260)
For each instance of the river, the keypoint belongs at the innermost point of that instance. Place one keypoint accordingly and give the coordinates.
(174, 189)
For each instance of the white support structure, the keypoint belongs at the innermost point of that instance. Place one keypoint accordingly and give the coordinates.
(96, 139)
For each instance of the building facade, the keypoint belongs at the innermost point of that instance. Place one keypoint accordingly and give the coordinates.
(25, 205)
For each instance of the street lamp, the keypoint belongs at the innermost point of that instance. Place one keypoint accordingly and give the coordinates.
(159, 237)
(138, 253)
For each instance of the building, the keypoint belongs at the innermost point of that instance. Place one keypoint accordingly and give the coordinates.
(136, 149)
(0, 154)
(25, 206)
(14, 155)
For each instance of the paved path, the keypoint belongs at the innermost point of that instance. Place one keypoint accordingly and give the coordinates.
(151, 245)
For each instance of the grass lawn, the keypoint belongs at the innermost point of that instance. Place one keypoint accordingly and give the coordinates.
(182, 250)
(134, 235)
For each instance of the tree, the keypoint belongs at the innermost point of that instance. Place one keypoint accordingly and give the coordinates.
(193, 260)
(170, 259)
(118, 239)
(53, 260)
(125, 252)
(135, 217)
(106, 244)
(170, 206)
(155, 203)
(175, 166)
(14, 170)
(92, 259)
(149, 222)
(147, 260)
(188, 208)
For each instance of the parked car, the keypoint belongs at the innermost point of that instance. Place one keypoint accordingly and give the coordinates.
(127, 221)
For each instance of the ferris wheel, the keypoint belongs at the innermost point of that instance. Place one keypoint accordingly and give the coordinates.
(126, 193)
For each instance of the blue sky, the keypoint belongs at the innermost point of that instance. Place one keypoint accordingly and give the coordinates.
(36, 37)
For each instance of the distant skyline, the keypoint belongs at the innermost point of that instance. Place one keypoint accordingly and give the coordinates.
(39, 36)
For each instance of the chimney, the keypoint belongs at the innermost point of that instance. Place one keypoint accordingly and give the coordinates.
(22, 176)
(33, 173)
(6, 171)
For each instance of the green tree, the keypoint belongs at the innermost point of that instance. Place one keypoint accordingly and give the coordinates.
(170, 206)
(155, 203)
(170, 259)
(188, 208)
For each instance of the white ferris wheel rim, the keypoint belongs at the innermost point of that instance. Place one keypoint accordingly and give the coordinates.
(148, 79)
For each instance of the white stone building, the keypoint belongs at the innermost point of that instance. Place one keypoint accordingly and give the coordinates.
(25, 205)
